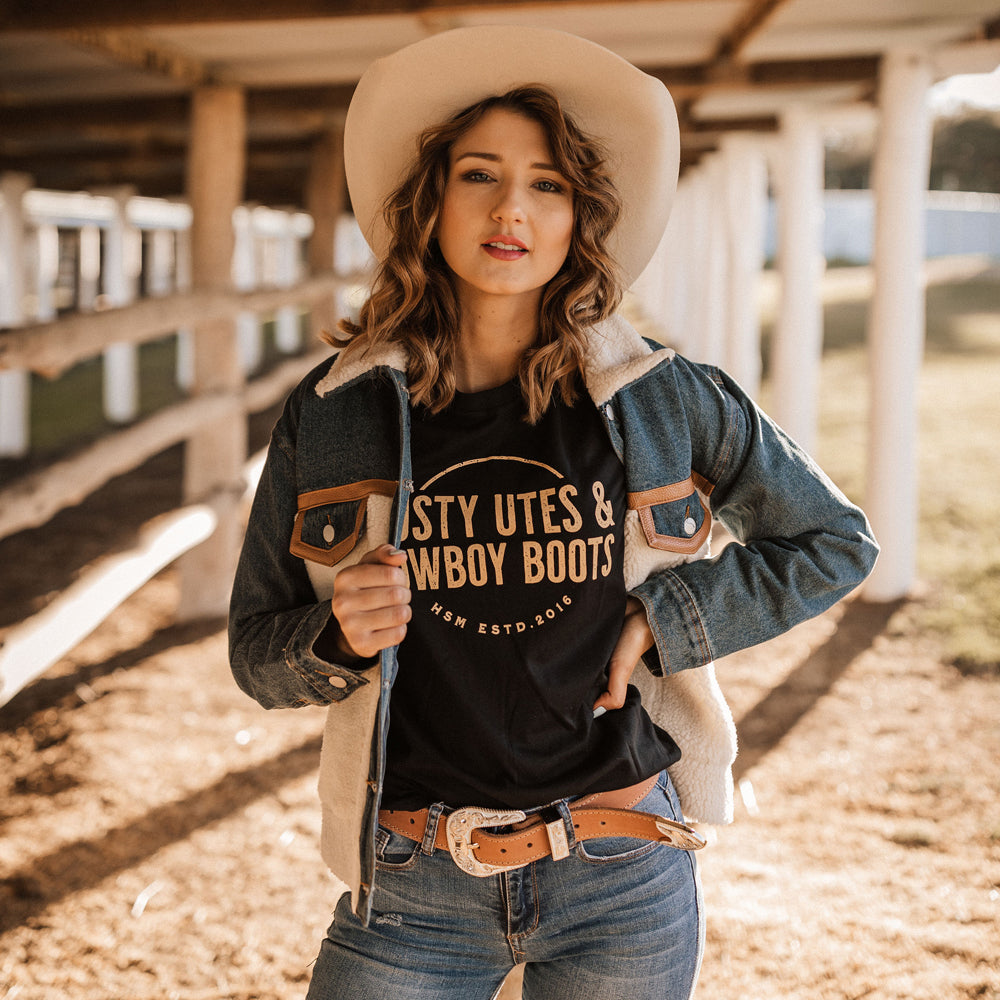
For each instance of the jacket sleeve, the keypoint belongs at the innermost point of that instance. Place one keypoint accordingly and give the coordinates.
(801, 545)
(276, 624)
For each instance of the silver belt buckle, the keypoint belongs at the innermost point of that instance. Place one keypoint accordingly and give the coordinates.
(461, 825)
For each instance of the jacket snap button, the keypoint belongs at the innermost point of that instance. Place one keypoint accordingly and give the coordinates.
(338, 682)
(689, 526)
(329, 534)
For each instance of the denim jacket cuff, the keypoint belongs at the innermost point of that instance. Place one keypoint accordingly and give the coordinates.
(679, 633)
(330, 681)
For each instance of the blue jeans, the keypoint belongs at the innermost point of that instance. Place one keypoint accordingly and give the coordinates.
(619, 919)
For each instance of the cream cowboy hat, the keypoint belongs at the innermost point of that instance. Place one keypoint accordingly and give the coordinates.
(629, 112)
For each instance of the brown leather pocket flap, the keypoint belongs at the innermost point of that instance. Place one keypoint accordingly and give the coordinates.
(329, 522)
(673, 517)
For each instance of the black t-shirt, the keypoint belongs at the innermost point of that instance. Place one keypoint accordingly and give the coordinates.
(514, 540)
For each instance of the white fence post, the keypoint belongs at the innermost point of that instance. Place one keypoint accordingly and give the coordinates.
(160, 262)
(245, 278)
(88, 267)
(122, 263)
(185, 336)
(287, 336)
(44, 245)
(15, 386)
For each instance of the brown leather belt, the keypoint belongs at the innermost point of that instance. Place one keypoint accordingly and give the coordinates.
(603, 814)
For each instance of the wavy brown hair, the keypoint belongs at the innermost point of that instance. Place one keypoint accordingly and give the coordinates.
(413, 299)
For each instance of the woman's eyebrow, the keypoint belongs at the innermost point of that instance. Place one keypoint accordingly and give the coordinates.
(494, 158)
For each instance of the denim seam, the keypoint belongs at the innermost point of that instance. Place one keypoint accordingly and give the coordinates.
(731, 429)
(658, 637)
(693, 621)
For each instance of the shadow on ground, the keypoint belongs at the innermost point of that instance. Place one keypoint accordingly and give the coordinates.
(762, 728)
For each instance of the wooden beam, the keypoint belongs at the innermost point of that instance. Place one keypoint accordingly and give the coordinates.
(749, 24)
(693, 81)
(290, 107)
(59, 15)
(131, 49)
(819, 72)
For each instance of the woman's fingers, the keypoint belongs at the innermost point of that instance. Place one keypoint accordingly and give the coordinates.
(634, 640)
(371, 602)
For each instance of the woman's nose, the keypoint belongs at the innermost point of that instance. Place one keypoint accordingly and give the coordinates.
(509, 205)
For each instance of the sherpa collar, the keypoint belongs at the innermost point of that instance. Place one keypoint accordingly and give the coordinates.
(616, 354)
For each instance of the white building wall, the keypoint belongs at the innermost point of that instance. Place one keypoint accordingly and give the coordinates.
(957, 222)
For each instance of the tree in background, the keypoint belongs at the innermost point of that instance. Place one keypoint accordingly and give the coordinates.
(965, 155)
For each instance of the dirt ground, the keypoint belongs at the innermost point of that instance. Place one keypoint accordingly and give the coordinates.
(159, 831)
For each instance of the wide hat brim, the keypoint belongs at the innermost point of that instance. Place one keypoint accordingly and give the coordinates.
(629, 112)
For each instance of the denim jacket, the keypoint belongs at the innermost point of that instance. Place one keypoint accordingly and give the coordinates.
(337, 481)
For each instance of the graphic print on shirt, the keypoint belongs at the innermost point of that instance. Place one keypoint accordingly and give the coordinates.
(504, 543)
(514, 545)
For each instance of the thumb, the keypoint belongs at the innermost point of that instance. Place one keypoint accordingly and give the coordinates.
(634, 640)
(387, 554)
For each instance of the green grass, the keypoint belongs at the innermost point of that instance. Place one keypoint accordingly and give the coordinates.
(67, 412)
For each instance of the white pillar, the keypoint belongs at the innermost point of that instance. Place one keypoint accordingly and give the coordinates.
(896, 320)
(798, 335)
(697, 250)
(716, 279)
(649, 289)
(678, 267)
(746, 219)
(15, 386)
(122, 263)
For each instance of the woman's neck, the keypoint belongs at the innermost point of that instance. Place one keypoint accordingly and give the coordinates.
(495, 333)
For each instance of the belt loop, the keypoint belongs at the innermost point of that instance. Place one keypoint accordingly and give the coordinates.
(567, 817)
(430, 831)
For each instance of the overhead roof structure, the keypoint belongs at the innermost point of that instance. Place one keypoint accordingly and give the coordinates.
(97, 94)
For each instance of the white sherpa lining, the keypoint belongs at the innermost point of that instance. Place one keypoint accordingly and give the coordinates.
(347, 368)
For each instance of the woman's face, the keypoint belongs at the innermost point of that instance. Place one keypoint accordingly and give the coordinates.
(506, 220)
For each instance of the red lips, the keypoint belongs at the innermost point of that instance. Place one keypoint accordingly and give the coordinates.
(509, 248)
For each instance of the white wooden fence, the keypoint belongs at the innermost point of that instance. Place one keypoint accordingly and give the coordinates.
(132, 285)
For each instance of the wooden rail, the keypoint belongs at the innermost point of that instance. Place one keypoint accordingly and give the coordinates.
(51, 348)
(34, 645)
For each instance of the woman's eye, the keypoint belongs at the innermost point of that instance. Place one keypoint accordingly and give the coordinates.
(549, 186)
(476, 176)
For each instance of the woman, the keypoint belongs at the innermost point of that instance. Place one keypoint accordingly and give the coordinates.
(490, 507)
